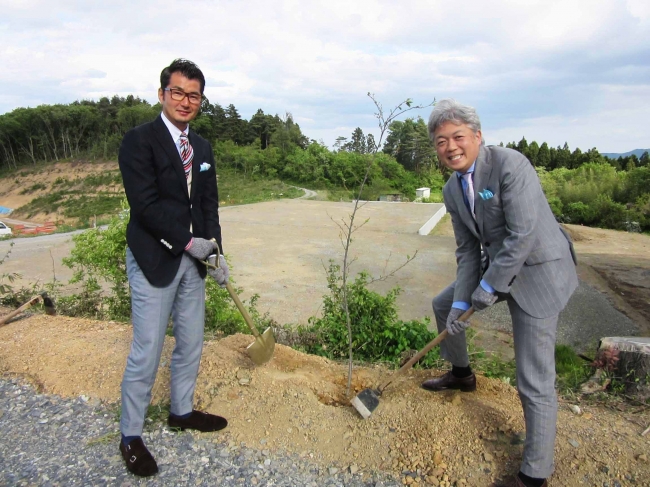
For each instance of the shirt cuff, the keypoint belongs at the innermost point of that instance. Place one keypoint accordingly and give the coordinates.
(189, 243)
(460, 305)
(487, 287)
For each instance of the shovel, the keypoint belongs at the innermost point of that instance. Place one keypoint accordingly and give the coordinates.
(367, 400)
(261, 350)
(48, 305)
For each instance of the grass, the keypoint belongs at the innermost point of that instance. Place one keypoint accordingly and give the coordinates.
(235, 189)
(80, 199)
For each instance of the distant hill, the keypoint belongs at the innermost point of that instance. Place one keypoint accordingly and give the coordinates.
(636, 152)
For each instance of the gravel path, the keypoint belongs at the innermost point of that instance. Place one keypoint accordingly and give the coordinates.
(50, 441)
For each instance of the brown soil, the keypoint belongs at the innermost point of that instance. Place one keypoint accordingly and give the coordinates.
(10, 188)
(297, 403)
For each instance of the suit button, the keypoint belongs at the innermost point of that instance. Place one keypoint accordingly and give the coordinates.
(487, 244)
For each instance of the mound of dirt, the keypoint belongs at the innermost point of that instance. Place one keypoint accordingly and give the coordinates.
(296, 403)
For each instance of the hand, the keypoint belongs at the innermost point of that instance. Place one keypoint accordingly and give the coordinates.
(222, 273)
(453, 325)
(201, 248)
(482, 299)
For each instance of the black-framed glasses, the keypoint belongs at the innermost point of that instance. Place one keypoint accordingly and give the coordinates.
(179, 95)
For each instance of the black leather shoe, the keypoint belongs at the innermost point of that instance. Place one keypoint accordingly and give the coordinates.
(198, 421)
(138, 459)
(449, 381)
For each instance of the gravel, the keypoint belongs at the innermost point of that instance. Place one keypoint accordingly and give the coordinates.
(587, 318)
(52, 441)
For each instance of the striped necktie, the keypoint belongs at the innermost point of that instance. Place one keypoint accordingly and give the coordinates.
(469, 192)
(187, 154)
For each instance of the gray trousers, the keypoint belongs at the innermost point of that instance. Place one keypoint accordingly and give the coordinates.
(534, 341)
(151, 307)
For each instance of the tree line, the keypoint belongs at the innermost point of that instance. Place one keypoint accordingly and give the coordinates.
(583, 187)
(94, 129)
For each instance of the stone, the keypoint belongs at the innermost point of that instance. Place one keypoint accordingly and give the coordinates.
(437, 458)
(573, 443)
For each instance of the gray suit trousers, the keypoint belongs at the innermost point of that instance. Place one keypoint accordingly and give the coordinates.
(534, 341)
(151, 307)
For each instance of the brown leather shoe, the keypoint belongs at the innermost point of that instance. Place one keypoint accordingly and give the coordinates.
(138, 459)
(449, 381)
(198, 421)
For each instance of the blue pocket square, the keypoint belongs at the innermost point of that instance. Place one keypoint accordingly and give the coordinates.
(205, 166)
(486, 194)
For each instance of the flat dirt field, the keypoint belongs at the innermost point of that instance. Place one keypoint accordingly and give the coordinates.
(297, 402)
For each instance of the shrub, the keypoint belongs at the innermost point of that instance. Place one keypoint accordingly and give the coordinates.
(377, 333)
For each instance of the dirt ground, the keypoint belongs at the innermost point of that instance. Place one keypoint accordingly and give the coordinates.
(297, 402)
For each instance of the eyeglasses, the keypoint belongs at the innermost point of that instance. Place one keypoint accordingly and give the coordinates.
(179, 95)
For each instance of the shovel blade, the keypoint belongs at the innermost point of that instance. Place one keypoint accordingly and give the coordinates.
(261, 350)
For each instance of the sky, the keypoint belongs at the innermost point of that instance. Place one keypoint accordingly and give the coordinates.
(575, 71)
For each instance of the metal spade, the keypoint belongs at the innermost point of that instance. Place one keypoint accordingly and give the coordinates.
(261, 350)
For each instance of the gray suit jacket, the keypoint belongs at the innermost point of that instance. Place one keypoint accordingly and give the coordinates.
(531, 257)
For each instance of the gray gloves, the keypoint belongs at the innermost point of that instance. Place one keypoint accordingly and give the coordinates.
(221, 273)
(201, 248)
(482, 299)
(453, 325)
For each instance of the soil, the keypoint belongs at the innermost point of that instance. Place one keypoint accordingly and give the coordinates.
(297, 402)
(11, 188)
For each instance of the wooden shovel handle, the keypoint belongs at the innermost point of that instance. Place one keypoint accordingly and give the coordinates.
(15, 312)
(235, 298)
(464, 317)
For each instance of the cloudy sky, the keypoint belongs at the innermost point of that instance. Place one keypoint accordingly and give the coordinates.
(569, 70)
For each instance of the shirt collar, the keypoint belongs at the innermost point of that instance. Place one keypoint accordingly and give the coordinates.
(173, 129)
(471, 169)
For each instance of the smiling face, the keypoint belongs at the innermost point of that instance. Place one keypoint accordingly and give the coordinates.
(457, 145)
(180, 113)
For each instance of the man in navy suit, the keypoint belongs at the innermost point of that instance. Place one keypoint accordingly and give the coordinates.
(497, 204)
(170, 183)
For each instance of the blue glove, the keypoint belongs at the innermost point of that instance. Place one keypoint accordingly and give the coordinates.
(453, 325)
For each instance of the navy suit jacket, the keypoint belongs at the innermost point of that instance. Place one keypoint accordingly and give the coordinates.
(161, 209)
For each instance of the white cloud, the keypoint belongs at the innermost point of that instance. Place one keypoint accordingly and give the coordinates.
(525, 64)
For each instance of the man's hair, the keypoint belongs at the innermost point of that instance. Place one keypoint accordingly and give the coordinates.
(186, 68)
(449, 110)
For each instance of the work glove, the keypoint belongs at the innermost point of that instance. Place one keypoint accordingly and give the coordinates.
(453, 325)
(482, 299)
(222, 273)
(201, 248)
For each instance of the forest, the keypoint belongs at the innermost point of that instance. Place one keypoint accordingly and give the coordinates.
(582, 187)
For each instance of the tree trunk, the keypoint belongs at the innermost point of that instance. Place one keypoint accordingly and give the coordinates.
(633, 364)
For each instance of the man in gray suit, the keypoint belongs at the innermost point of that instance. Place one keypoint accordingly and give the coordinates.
(497, 205)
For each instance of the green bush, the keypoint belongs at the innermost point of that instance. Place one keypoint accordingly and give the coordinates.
(377, 334)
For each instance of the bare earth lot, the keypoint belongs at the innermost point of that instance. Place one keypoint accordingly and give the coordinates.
(296, 403)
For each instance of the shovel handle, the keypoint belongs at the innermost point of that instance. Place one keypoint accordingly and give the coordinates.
(17, 311)
(464, 317)
(235, 298)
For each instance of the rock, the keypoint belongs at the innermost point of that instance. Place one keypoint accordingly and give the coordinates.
(488, 457)
(575, 409)
(353, 469)
(437, 458)
(642, 458)
(573, 443)
(333, 470)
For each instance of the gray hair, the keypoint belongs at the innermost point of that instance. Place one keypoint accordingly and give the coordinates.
(449, 110)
